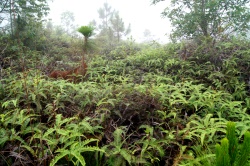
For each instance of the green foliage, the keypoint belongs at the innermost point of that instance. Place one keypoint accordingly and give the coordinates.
(228, 153)
(152, 106)
(123, 50)
(204, 129)
(204, 18)
(86, 31)
(244, 151)
(222, 153)
(21, 12)
(233, 142)
(198, 155)
(140, 104)
(70, 141)
(151, 146)
(115, 151)
(75, 150)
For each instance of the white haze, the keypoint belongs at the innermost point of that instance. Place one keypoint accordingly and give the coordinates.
(139, 13)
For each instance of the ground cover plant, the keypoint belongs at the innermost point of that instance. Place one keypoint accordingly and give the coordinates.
(94, 98)
(153, 107)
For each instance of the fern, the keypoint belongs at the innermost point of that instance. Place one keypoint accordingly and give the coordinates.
(151, 147)
(4, 137)
(199, 155)
(75, 150)
(204, 129)
(117, 154)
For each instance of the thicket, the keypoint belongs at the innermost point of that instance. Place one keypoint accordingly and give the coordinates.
(138, 105)
(183, 103)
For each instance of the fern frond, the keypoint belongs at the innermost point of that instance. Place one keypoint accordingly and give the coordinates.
(118, 137)
(59, 156)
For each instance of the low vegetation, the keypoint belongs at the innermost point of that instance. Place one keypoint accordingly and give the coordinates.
(160, 105)
(96, 99)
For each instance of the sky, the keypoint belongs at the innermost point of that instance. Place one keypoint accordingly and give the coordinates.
(139, 13)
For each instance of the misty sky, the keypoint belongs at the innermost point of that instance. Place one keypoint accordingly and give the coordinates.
(139, 13)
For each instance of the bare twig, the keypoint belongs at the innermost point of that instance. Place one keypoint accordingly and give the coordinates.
(4, 49)
(4, 6)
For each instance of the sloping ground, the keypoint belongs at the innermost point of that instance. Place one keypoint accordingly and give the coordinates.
(155, 107)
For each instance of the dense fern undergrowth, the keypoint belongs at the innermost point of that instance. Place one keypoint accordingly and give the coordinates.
(162, 105)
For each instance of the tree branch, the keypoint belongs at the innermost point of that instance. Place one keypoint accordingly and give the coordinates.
(4, 6)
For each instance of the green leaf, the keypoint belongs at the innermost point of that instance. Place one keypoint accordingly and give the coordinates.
(125, 154)
(29, 149)
(244, 151)
(79, 157)
(59, 156)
